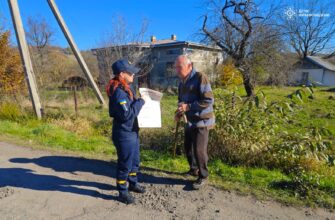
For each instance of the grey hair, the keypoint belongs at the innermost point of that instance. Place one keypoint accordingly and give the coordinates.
(186, 58)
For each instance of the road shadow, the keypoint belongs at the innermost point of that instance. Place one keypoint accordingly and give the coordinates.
(28, 179)
(72, 165)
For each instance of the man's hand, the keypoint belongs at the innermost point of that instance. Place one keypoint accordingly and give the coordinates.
(178, 115)
(183, 108)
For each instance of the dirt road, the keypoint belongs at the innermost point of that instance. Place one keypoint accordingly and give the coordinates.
(37, 184)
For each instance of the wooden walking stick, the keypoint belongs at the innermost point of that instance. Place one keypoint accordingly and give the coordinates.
(175, 139)
(176, 135)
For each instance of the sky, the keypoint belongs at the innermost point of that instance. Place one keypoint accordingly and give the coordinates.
(90, 20)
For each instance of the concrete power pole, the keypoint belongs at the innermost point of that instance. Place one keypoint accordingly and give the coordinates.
(75, 50)
(25, 57)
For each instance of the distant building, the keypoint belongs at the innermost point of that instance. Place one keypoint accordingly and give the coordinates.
(314, 69)
(161, 57)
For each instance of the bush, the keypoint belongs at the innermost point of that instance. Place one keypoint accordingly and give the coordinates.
(229, 75)
(250, 131)
(244, 128)
(11, 111)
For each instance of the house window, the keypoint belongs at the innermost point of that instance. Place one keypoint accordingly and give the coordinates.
(173, 51)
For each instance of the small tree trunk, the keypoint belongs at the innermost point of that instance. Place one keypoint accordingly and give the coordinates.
(248, 86)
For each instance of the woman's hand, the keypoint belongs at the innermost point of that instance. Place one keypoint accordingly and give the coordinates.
(142, 100)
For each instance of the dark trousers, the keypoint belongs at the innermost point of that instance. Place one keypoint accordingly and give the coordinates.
(195, 143)
(128, 158)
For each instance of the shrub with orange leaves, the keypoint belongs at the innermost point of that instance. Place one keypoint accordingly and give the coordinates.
(229, 75)
(11, 71)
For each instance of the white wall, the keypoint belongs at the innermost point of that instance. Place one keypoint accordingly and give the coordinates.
(329, 78)
(315, 75)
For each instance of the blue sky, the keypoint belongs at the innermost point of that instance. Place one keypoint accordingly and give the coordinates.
(89, 20)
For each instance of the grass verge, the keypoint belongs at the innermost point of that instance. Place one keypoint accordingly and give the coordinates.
(247, 181)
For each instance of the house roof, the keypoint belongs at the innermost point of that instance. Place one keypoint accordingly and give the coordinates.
(167, 43)
(187, 43)
(321, 62)
(158, 42)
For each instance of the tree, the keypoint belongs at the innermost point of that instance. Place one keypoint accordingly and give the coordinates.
(39, 36)
(122, 42)
(308, 27)
(238, 29)
(271, 61)
(11, 70)
(39, 33)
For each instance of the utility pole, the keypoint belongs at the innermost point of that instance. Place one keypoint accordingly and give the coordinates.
(25, 57)
(75, 50)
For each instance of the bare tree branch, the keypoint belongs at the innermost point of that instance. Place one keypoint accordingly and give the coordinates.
(310, 35)
(234, 35)
(122, 42)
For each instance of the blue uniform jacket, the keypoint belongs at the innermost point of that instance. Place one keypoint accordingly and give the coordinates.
(124, 111)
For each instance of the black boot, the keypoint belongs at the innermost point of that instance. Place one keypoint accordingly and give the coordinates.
(126, 198)
(137, 188)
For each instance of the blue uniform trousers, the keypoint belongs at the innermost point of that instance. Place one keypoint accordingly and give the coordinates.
(128, 152)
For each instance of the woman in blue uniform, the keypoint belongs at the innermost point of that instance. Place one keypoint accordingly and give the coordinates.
(124, 108)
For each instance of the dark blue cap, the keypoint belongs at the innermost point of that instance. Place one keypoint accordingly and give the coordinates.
(124, 65)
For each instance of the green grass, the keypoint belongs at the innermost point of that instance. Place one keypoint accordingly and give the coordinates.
(169, 103)
(256, 181)
(317, 112)
(43, 133)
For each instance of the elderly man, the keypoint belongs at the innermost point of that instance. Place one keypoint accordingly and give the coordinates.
(195, 100)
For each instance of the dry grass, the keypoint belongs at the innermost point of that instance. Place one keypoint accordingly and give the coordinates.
(80, 126)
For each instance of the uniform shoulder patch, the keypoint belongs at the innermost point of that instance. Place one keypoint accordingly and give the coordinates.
(123, 102)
